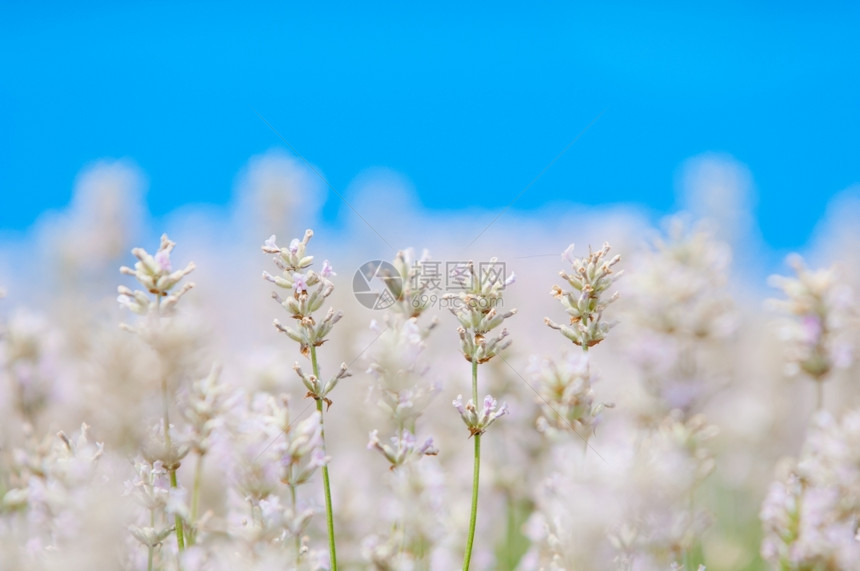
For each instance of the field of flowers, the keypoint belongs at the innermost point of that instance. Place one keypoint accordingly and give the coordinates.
(243, 393)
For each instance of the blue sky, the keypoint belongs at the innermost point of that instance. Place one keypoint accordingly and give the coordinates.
(469, 103)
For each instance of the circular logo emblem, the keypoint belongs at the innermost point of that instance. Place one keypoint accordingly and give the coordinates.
(376, 284)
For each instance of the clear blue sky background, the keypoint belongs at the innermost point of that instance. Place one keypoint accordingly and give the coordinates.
(470, 103)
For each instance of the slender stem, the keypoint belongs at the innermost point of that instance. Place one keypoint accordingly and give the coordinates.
(473, 518)
(180, 536)
(195, 496)
(475, 382)
(329, 513)
(476, 472)
(294, 504)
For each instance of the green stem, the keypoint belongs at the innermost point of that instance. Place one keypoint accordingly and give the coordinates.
(180, 535)
(475, 382)
(329, 513)
(473, 518)
(298, 535)
(476, 472)
(180, 538)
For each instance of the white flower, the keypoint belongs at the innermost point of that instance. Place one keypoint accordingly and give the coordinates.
(810, 513)
(403, 448)
(477, 308)
(591, 278)
(155, 275)
(270, 246)
(565, 394)
(300, 283)
(327, 270)
(479, 421)
(307, 293)
(821, 304)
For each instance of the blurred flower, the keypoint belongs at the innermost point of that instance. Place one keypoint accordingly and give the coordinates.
(402, 393)
(414, 278)
(400, 390)
(205, 408)
(565, 394)
(585, 303)
(31, 358)
(403, 448)
(680, 317)
(810, 516)
(663, 520)
(822, 305)
(327, 270)
(162, 448)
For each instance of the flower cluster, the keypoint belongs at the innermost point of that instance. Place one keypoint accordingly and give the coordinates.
(566, 397)
(45, 489)
(156, 275)
(151, 489)
(276, 450)
(682, 316)
(306, 293)
(591, 278)
(477, 308)
(205, 409)
(403, 447)
(303, 447)
(662, 523)
(400, 389)
(402, 393)
(163, 448)
(680, 284)
(479, 421)
(810, 515)
(821, 304)
(30, 353)
(409, 286)
(317, 388)
(222, 472)
(388, 553)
